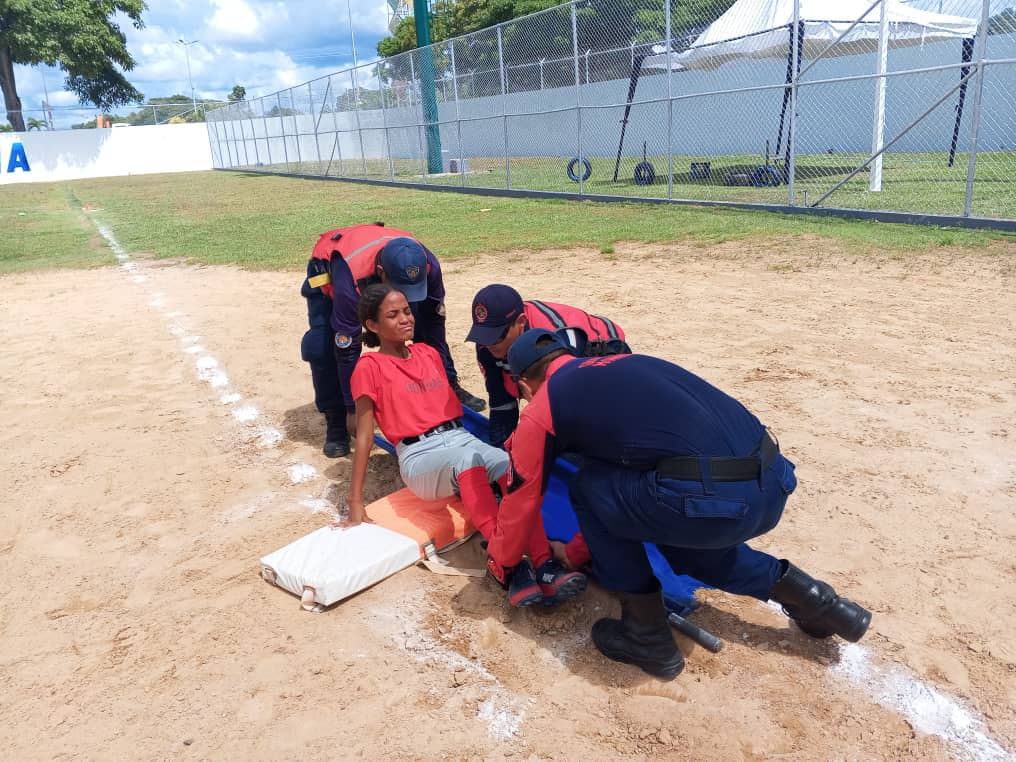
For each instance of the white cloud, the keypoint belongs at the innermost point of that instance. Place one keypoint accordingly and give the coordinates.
(264, 45)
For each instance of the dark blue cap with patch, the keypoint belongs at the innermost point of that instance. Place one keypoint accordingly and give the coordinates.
(533, 345)
(404, 261)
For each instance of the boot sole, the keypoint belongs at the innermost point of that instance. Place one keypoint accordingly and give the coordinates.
(666, 672)
(528, 597)
(565, 591)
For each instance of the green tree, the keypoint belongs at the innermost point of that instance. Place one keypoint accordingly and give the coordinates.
(79, 36)
(238, 93)
(37, 124)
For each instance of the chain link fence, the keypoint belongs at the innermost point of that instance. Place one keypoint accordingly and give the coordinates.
(899, 105)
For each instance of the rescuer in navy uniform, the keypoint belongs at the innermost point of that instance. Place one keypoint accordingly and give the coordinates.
(342, 264)
(666, 458)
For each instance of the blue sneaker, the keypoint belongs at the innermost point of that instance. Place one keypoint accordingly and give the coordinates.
(557, 583)
(523, 589)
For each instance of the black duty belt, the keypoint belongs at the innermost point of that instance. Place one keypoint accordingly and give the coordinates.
(689, 468)
(455, 423)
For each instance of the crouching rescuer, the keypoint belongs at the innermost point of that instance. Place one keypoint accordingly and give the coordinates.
(665, 458)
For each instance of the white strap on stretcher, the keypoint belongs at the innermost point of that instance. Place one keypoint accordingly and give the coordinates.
(438, 565)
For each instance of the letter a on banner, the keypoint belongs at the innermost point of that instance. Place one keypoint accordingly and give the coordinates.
(18, 159)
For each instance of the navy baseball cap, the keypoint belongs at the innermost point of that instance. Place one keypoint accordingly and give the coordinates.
(405, 264)
(533, 345)
(495, 307)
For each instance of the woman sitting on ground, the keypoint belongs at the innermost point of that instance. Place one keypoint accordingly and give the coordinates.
(404, 387)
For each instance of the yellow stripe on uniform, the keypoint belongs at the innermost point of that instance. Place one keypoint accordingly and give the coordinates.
(319, 280)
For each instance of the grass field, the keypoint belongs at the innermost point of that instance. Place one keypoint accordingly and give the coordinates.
(912, 182)
(261, 221)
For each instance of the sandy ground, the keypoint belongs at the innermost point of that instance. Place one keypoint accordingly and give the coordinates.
(158, 439)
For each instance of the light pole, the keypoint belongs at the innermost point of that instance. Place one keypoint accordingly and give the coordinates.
(186, 49)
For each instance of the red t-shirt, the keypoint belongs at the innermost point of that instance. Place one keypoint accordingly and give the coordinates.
(410, 396)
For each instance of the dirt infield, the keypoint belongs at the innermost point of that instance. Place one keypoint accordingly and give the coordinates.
(159, 438)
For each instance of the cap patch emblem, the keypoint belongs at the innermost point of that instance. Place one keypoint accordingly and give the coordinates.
(480, 313)
(412, 271)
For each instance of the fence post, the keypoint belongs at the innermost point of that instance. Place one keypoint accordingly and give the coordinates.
(296, 129)
(504, 108)
(795, 40)
(458, 115)
(282, 124)
(878, 132)
(578, 98)
(337, 146)
(359, 129)
(384, 122)
(542, 62)
(975, 125)
(588, 51)
(317, 146)
(670, 103)
(253, 131)
(268, 138)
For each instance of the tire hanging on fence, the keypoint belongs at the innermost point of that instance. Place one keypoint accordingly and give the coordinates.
(587, 170)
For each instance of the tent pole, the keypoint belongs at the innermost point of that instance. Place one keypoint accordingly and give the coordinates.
(636, 70)
(786, 90)
(965, 56)
(670, 106)
(878, 135)
(790, 160)
(578, 100)
(982, 38)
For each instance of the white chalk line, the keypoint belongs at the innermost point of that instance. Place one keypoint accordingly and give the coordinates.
(501, 711)
(927, 709)
(207, 369)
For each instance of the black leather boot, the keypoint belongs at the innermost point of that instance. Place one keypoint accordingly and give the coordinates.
(336, 436)
(816, 607)
(641, 636)
(468, 400)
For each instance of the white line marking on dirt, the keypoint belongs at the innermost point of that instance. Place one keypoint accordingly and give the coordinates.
(246, 414)
(502, 722)
(206, 366)
(301, 472)
(502, 710)
(927, 709)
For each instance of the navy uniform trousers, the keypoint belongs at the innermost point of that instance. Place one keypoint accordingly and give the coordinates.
(699, 527)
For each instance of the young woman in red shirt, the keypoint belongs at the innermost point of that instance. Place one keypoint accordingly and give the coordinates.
(404, 388)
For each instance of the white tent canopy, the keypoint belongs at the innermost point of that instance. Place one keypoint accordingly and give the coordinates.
(762, 29)
(759, 29)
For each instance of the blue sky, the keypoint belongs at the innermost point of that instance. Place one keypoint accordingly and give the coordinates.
(264, 45)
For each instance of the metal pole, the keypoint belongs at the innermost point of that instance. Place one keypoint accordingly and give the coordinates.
(186, 50)
(254, 135)
(670, 104)
(384, 121)
(428, 91)
(458, 115)
(587, 64)
(46, 111)
(878, 131)
(542, 62)
(352, 37)
(313, 116)
(359, 130)
(296, 129)
(504, 108)
(578, 98)
(792, 140)
(268, 138)
(975, 126)
(412, 77)
(282, 122)
(892, 142)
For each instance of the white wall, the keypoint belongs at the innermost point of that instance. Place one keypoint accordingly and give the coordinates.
(76, 154)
